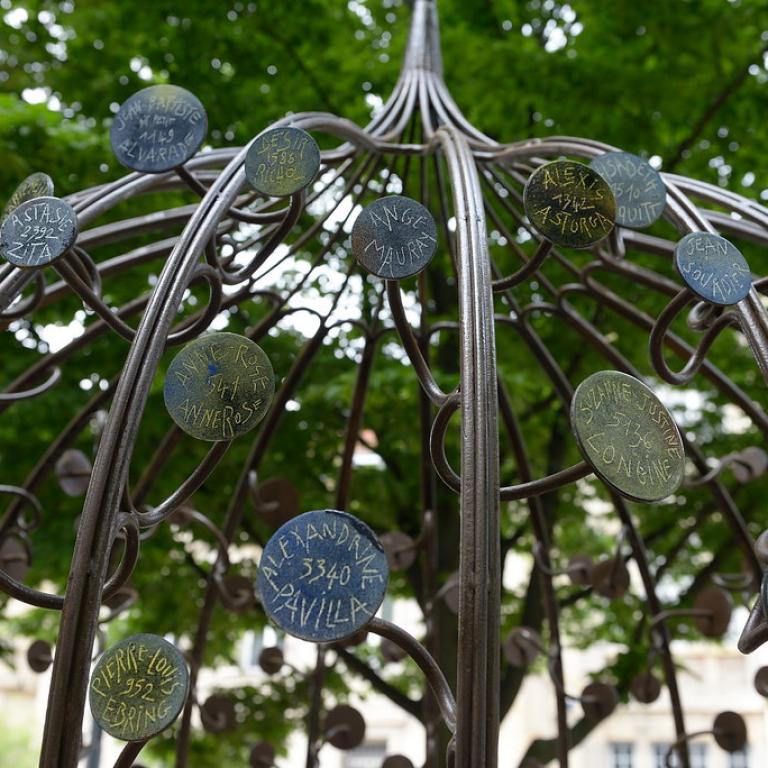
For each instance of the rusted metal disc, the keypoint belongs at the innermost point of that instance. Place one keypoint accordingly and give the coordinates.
(638, 188)
(646, 687)
(627, 436)
(761, 681)
(35, 185)
(730, 731)
(598, 700)
(397, 761)
(610, 578)
(400, 549)
(14, 557)
(394, 237)
(713, 268)
(390, 651)
(344, 727)
(38, 232)
(271, 660)
(276, 501)
(717, 603)
(158, 129)
(138, 687)
(281, 161)
(239, 595)
(522, 646)
(217, 713)
(219, 386)
(262, 755)
(323, 576)
(749, 463)
(39, 656)
(570, 204)
(451, 593)
(73, 470)
(580, 569)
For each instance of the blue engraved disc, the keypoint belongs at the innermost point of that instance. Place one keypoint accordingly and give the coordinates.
(36, 185)
(38, 232)
(639, 190)
(323, 576)
(713, 268)
(158, 129)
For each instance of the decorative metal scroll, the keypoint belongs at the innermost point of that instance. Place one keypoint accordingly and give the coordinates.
(525, 236)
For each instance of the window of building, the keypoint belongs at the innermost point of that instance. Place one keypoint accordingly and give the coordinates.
(697, 752)
(739, 759)
(621, 754)
(366, 756)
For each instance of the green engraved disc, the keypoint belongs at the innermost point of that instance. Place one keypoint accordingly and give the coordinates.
(282, 161)
(219, 386)
(36, 185)
(138, 687)
(570, 204)
(627, 436)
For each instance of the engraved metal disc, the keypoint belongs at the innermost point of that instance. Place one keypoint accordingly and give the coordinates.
(570, 204)
(40, 656)
(344, 727)
(713, 268)
(646, 687)
(219, 386)
(158, 129)
(282, 161)
(35, 185)
(716, 603)
(394, 237)
(730, 731)
(627, 436)
(138, 687)
(397, 761)
(323, 576)
(262, 755)
(37, 232)
(73, 470)
(639, 191)
(598, 700)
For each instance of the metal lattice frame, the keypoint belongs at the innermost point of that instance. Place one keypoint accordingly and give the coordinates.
(477, 178)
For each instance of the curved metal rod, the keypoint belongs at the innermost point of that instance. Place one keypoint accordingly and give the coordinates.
(426, 664)
(130, 752)
(526, 271)
(29, 498)
(53, 379)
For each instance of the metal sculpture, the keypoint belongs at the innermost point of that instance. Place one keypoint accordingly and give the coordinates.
(246, 224)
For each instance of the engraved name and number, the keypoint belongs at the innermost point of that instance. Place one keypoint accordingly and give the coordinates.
(323, 575)
(282, 161)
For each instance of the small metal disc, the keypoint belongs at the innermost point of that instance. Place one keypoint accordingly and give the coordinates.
(391, 652)
(35, 185)
(451, 593)
(397, 761)
(761, 681)
(730, 731)
(322, 576)
(14, 557)
(598, 701)
(262, 755)
(73, 470)
(271, 660)
(646, 688)
(400, 549)
(394, 237)
(38, 232)
(344, 727)
(39, 656)
(219, 386)
(717, 603)
(570, 204)
(749, 463)
(237, 593)
(276, 501)
(627, 436)
(610, 578)
(580, 569)
(282, 161)
(761, 548)
(522, 646)
(713, 268)
(217, 713)
(158, 129)
(638, 188)
(138, 687)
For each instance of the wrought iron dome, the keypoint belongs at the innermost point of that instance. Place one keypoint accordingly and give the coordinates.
(506, 284)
